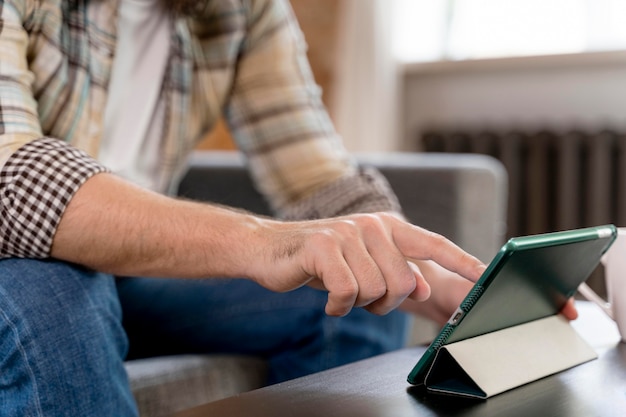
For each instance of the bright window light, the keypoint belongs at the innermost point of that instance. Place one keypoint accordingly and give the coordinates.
(429, 30)
(419, 29)
(489, 28)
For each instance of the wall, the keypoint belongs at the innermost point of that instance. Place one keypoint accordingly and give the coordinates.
(584, 90)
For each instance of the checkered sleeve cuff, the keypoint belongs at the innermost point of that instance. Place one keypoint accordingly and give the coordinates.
(36, 184)
(366, 192)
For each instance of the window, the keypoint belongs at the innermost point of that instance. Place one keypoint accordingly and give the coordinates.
(431, 30)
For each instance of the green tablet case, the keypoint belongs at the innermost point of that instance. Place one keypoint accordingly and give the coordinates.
(507, 331)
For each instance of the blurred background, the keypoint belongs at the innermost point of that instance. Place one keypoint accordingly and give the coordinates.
(538, 84)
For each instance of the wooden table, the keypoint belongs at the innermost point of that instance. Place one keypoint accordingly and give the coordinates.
(377, 387)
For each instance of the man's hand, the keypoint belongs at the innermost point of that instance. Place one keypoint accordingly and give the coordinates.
(373, 261)
(363, 260)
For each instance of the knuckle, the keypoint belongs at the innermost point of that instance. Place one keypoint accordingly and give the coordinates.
(402, 288)
(387, 216)
(369, 220)
(374, 292)
(404, 284)
(408, 285)
(372, 224)
(349, 228)
(437, 238)
(346, 291)
(438, 242)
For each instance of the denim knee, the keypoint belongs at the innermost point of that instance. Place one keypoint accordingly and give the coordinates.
(61, 341)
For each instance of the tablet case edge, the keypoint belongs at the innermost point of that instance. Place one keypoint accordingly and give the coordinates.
(486, 365)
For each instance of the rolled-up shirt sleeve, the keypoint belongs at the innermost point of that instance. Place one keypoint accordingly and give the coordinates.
(278, 120)
(38, 175)
(36, 184)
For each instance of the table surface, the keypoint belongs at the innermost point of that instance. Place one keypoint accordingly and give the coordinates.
(377, 387)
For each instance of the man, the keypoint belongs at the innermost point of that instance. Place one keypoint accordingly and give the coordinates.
(100, 103)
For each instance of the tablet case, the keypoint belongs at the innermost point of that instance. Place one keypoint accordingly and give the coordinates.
(490, 364)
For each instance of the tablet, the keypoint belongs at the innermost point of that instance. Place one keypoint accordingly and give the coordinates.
(531, 277)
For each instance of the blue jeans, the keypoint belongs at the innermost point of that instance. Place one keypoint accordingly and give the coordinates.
(64, 337)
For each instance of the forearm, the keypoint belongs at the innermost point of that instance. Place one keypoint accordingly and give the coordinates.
(113, 226)
(361, 260)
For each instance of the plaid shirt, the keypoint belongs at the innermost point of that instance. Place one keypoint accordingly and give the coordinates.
(244, 59)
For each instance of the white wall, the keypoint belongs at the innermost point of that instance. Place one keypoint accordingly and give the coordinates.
(587, 90)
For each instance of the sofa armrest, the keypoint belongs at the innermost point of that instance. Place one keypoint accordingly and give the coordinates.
(460, 196)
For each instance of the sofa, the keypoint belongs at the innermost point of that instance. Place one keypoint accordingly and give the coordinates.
(461, 196)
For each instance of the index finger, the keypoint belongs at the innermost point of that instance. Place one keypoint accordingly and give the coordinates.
(420, 244)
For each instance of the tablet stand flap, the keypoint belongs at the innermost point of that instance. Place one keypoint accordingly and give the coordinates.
(492, 363)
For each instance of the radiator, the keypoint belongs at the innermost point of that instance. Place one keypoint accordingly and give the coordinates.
(557, 179)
